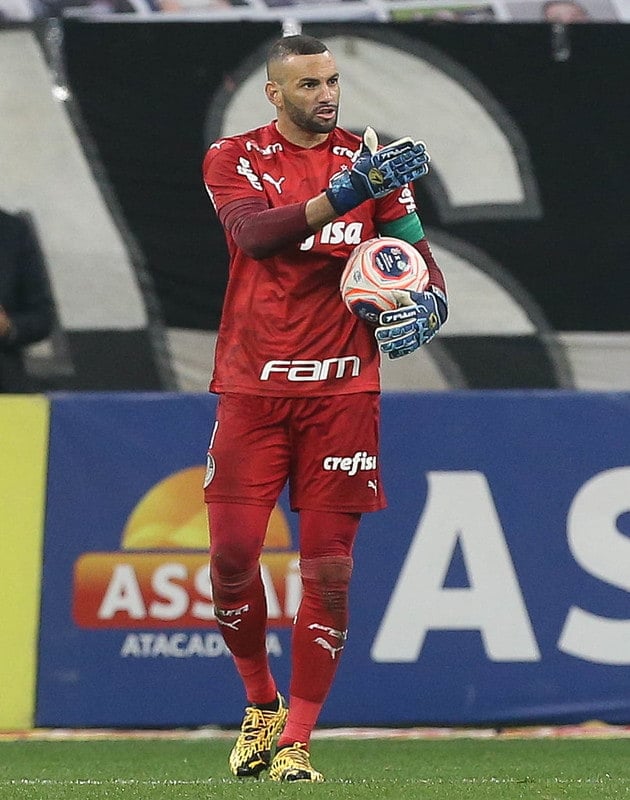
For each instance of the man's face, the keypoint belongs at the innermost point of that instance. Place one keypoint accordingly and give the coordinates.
(305, 91)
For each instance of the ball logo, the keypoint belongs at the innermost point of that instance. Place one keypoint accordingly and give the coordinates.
(377, 271)
(391, 261)
(160, 576)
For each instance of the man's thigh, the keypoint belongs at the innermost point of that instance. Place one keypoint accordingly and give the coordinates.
(336, 454)
(249, 451)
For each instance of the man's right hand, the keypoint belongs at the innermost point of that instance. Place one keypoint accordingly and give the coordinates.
(376, 173)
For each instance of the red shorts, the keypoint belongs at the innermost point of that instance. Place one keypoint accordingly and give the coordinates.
(326, 447)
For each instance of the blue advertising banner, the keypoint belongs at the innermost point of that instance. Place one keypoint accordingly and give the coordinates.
(494, 589)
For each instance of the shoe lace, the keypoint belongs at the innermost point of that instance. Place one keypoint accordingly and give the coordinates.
(299, 756)
(252, 723)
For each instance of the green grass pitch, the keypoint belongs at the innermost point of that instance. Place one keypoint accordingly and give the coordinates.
(400, 769)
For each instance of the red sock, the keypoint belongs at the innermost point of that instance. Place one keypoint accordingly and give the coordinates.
(243, 628)
(237, 533)
(319, 636)
(302, 717)
(326, 541)
(260, 686)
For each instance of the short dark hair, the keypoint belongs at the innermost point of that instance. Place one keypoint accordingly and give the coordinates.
(298, 45)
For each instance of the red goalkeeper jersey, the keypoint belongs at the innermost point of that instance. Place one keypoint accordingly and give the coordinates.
(284, 329)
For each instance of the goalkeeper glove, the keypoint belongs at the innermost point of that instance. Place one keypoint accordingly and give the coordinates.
(376, 173)
(415, 323)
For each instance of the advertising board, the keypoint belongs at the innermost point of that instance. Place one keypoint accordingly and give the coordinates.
(494, 589)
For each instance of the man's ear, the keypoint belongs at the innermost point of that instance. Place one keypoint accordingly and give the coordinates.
(272, 90)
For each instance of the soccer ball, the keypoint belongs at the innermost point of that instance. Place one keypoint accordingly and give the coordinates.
(378, 275)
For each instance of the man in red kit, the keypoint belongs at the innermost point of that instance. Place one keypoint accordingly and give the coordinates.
(298, 380)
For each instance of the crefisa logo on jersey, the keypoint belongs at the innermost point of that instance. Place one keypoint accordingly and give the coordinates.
(361, 461)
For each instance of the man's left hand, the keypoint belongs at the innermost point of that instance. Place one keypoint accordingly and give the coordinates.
(415, 323)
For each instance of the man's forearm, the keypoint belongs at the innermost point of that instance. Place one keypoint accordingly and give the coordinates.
(319, 212)
(262, 231)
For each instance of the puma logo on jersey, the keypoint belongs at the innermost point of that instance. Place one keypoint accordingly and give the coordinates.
(267, 177)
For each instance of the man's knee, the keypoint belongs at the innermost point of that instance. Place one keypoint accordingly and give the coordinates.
(329, 578)
(230, 581)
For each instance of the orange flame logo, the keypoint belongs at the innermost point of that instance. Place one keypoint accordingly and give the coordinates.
(160, 577)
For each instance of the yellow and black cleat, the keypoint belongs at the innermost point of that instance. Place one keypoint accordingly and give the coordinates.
(251, 753)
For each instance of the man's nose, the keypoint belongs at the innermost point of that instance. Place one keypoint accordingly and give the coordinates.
(327, 93)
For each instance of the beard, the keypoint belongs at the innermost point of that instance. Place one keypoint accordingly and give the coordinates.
(309, 122)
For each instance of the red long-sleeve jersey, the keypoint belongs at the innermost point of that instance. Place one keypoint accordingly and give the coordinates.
(284, 330)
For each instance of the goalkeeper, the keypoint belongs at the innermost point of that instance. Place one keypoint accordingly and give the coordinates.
(298, 380)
